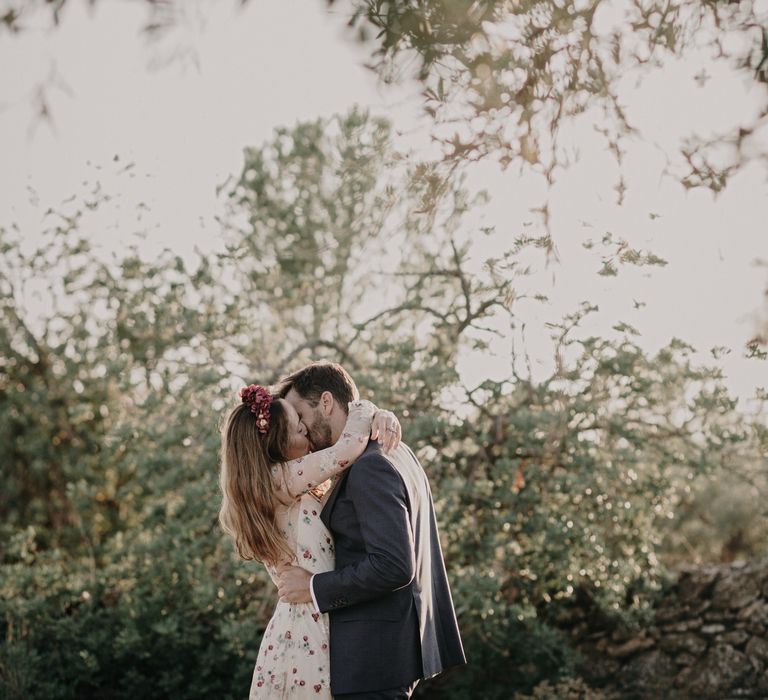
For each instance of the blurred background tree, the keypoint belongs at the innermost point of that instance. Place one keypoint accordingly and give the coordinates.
(116, 580)
(506, 77)
(508, 82)
(505, 80)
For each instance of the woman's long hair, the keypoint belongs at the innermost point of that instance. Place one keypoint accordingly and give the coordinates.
(249, 502)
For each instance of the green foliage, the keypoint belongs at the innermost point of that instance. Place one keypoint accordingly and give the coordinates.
(501, 79)
(169, 614)
(116, 580)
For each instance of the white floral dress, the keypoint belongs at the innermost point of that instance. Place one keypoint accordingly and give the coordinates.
(293, 660)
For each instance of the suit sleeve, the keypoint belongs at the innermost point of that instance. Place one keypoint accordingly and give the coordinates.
(381, 501)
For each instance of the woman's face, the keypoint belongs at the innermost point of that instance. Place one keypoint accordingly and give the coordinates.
(298, 444)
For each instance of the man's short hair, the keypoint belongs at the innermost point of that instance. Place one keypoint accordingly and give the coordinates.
(311, 381)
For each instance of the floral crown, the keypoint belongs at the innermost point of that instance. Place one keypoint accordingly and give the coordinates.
(258, 399)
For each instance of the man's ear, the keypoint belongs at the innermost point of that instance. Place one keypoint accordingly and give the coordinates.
(326, 403)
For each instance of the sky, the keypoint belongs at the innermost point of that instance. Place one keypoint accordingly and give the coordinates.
(275, 62)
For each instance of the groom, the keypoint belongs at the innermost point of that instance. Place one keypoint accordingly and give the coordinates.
(392, 621)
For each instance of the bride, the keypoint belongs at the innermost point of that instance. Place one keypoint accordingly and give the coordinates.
(273, 489)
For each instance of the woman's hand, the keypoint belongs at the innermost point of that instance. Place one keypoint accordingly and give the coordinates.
(386, 429)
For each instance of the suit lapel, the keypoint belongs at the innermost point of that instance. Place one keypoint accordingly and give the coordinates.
(325, 513)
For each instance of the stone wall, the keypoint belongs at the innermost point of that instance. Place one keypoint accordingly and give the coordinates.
(709, 639)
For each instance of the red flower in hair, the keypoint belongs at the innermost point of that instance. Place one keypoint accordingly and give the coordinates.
(258, 399)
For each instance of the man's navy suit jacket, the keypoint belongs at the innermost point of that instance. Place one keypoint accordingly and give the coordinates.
(391, 614)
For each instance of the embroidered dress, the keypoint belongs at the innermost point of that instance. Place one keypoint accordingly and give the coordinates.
(293, 660)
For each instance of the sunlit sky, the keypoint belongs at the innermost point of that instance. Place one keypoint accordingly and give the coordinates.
(276, 62)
